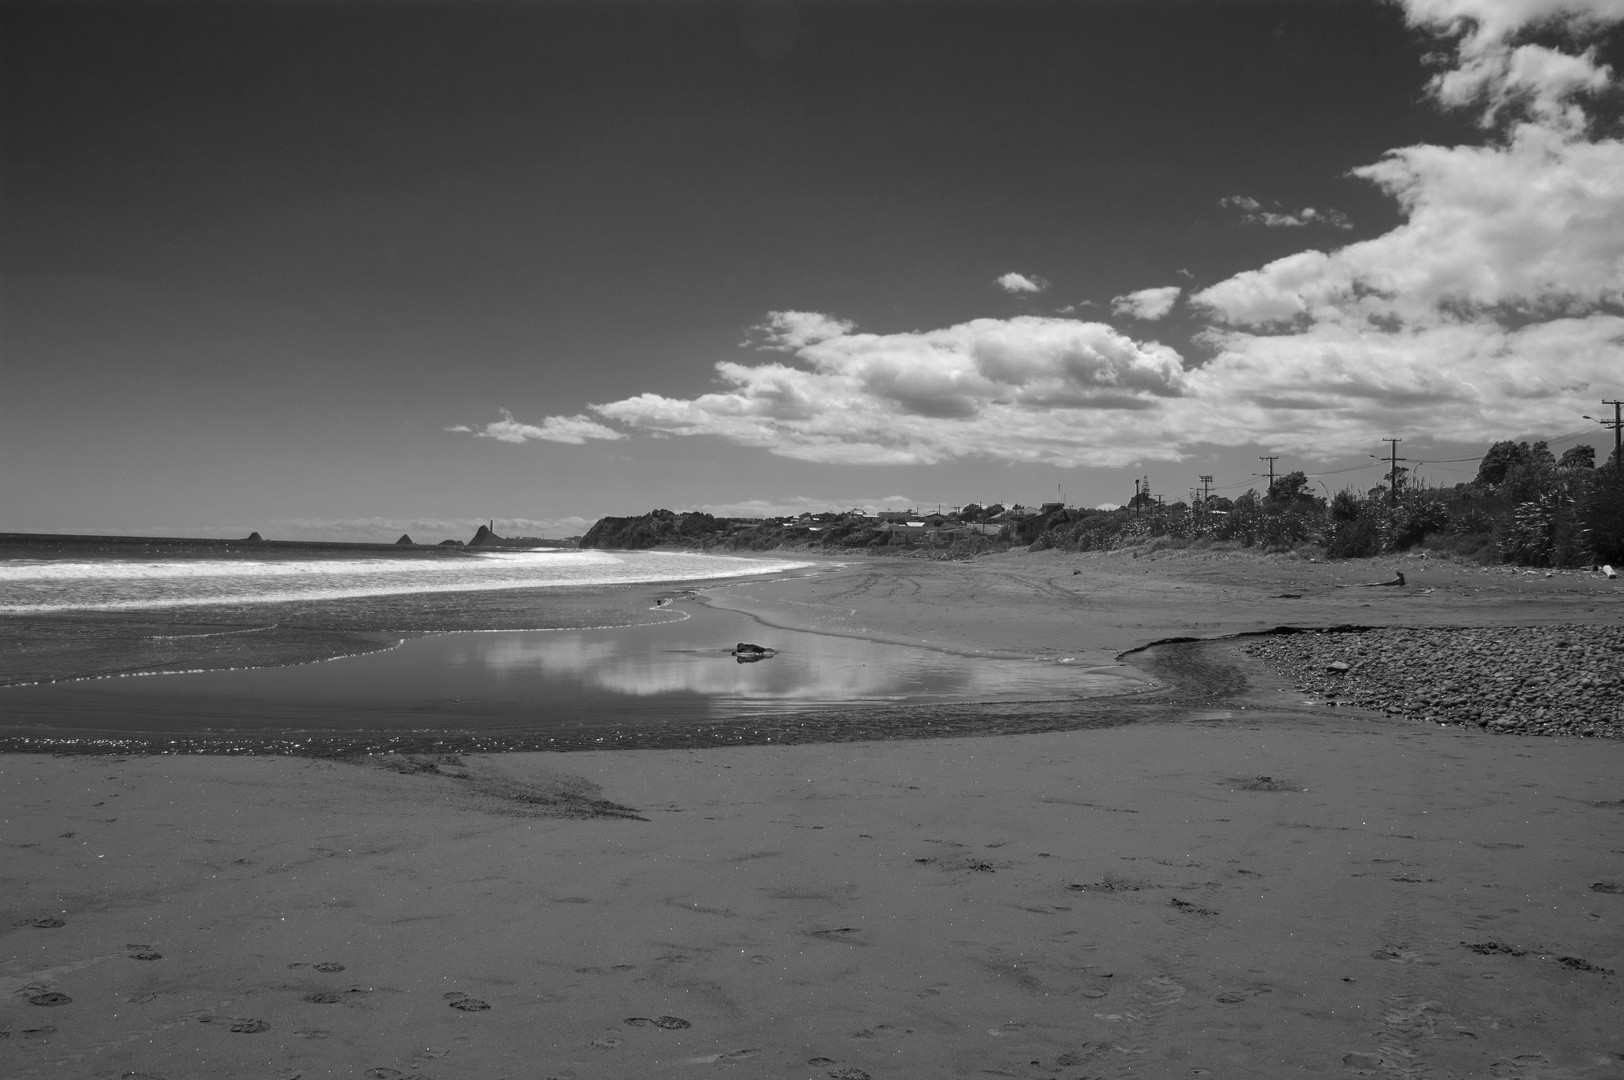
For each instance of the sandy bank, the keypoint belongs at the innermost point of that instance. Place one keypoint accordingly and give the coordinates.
(1131, 900)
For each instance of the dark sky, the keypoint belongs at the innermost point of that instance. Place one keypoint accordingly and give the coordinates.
(258, 256)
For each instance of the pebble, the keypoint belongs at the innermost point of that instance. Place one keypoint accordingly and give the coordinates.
(1524, 680)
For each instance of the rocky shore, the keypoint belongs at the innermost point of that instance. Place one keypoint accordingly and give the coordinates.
(1530, 680)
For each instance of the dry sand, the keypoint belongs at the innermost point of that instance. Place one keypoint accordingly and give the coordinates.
(1128, 901)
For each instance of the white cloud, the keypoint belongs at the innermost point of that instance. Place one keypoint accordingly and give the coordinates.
(1148, 304)
(1535, 224)
(1492, 308)
(1497, 306)
(1255, 214)
(1489, 21)
(1028, 388)
(1021, 283)
(574, 430)
(1333, 388)
(1493, 72)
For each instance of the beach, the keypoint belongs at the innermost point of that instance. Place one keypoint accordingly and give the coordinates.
(1212, 875)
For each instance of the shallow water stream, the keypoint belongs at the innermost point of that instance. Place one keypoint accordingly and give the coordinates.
(506, 682)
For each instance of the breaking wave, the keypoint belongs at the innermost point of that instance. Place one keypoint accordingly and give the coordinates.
(44, 585)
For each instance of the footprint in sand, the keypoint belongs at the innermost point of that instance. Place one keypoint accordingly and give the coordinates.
(328, 966)
(849, 1073)
(324, 997)
(467, 1004)
(47, 923)
(240, 1025)
(147, 954)
(669, 1023)
(608, 1042)
(314, 1033)
(49, 998)
(382, 1073)
(730, 1055)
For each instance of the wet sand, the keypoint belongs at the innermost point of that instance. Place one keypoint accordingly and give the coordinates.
(1217, 879)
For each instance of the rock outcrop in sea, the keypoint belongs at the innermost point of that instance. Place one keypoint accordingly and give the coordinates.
(405, 538)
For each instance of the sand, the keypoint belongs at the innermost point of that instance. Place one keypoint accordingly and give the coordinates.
(1393, 900)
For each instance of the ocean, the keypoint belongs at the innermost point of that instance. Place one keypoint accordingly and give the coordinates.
(137, 583)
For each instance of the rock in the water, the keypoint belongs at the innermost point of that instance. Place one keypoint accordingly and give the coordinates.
(747, 653)
(405, 538)
(483, 537)
(255, 538)
(451, 543)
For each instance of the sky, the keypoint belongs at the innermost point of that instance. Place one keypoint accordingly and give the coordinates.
(348, 269)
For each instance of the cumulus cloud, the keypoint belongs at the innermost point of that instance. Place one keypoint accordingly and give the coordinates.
(1148, 304)
(1254, 213)
(574, 430)
(1494, 303)
(1493, 71)
(1021, 283)
(1028, 388)
(1495, 307)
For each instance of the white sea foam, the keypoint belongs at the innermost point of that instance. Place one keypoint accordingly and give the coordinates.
(40, 585)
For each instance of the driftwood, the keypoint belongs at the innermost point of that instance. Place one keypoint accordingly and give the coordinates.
(1398, 579)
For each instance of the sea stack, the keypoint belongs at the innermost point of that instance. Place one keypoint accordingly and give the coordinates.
(405, 538)
(484, 537)
(254, 538)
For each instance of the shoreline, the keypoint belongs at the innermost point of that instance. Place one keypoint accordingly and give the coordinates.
(63, 645)
(1238, 883)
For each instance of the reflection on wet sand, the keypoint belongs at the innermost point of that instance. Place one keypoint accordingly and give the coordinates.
(472, 682)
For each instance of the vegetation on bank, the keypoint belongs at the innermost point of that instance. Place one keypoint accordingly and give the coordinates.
(1524, 506)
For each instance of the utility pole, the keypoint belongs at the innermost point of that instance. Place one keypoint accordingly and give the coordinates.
(1136, 497)
(1392, 474)
(1206, 487)
(1271, 461)
(1617, 424)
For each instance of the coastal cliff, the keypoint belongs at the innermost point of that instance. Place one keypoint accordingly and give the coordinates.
(696, 531)
(654, 529)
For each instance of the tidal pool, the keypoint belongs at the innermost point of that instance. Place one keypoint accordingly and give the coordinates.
(499, 683)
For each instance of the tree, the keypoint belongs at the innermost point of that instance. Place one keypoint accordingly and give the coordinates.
(1502, 456)
(1582, 456)
(1290, 492)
